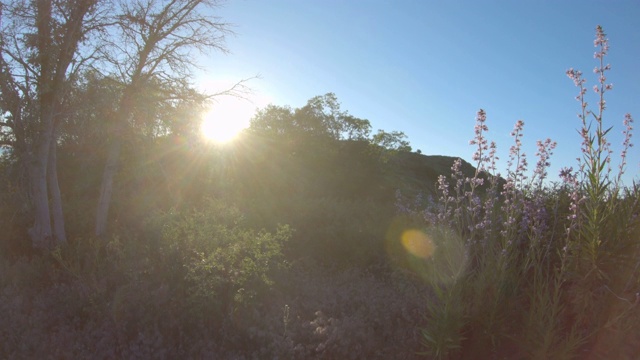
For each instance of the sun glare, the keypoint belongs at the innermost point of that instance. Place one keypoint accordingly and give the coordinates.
(226, 119)
(228, 115)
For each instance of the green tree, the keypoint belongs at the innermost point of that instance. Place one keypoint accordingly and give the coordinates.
(274, 121)
(156, 129)
(140, 54)
(395, 140)
(154, 42)
(321, 117)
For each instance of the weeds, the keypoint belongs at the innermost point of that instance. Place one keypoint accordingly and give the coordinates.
(553, 267)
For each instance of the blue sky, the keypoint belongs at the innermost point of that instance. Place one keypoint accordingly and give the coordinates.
(426, 67)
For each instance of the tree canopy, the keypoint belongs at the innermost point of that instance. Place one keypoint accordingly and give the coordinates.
(322, 118)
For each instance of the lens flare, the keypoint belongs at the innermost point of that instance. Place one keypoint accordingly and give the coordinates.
(417, 243)
(436, 253)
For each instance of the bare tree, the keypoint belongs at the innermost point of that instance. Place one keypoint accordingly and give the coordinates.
(39, 42)
(154, 41)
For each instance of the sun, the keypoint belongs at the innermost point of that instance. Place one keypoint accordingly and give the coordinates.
(229, 115)
(218, 129)
(226, 119)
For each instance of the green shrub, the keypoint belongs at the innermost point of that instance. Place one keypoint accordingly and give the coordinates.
(219, 263)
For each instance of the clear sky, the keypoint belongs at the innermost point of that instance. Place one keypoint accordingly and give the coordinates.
(426, 67)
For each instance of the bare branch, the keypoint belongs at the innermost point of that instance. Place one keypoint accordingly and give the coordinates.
(159, 38)
(7, 143)
(239, 90)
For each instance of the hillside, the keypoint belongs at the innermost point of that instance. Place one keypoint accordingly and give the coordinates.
(338, 195)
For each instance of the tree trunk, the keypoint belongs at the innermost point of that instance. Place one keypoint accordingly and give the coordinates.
(52, 38)
(59, 234)
(113, 156)
(106, 190)
(40, 233)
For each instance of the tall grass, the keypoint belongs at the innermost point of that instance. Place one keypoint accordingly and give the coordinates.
(550, 269)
